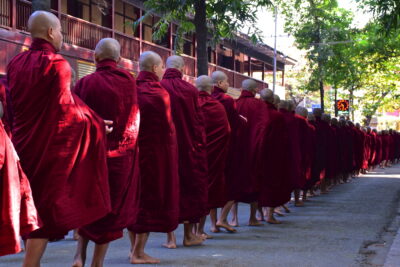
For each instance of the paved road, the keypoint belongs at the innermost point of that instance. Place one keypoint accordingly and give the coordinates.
(330, 231)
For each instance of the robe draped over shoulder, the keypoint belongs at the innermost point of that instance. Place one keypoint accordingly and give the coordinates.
(18, 214)
(60, 141)
(191, 136)
(111, 93)
(218, 133)
(158, 159)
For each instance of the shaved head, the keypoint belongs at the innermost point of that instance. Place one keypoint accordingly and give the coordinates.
(249, 85)
(175, 62)
(218, 76)
(291, 105)
(277, 99)
(326, 117)
(204, 83)
(283, 105)
(220, 80)
(107, 48)
(267, 95)
(335, 122)
(47, 26)
(302, 111)
(311, 117)
(148, 60)
(317, 112)
(151, 62)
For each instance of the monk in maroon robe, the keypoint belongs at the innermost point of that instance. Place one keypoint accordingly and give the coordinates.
(158, 159)
(275, 183)
(236, 122)
(319, 165)
(60, 141)
(18, 214)
(294, 151)
(111, 92)
(371, 160)
(247, 147)
(192, 156)
(218, 133)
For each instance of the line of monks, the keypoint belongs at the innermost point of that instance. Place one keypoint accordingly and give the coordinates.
(112, 152)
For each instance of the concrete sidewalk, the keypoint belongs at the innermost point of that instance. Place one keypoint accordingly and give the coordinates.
(333, 230)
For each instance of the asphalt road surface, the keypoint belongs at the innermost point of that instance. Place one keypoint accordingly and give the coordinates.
(331, 230)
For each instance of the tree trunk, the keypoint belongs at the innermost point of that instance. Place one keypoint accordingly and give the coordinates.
(351, 103)
(336, 110)
(322, 95)
(200, 23)
(41, 5)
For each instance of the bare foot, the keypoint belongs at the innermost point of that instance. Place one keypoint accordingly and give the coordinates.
(273, 221)
(193, 241)
(76, 235)
(206, 236)
(78, 262)
(287, 210)
(255, 223)
(234, 223)
(215, 229)
(170, 245)
(226, 226)
(299, 204)
(279, 213)
(143, 259)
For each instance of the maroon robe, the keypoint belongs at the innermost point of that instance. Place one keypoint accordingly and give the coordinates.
(6, 114)
(247, 148)
(294, 151)
(111, 92)
(378, 156)
(371, 160)
(18, 213)
(331, 157)
(321, 145)
(60, 141)
(304, 150)
(158, 159)
(218, 133)
(236, 123)
(275, 183)
(191, 136)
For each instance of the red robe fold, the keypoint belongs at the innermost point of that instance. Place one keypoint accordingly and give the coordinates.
(18, 213)
(371, 160)
(158, 159)
(292, 124)
(236, 123)
(6, 109)
(191, 136)
(218, 133)
(275, 183)
(378, 157)
(332, 145)
(304, 150)
(321, 144)
(60, 142)
(111, 92)
(247, 147)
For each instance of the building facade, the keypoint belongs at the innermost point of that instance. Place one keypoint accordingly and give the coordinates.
(85, 22)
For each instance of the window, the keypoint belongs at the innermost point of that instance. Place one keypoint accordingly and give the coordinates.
(125, 15)
(96, 11)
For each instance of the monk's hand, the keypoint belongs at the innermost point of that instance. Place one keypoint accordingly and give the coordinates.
(244, 118)
(108, 124)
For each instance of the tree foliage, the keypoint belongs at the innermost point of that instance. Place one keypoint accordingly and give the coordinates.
(319, 27)
(207, 18)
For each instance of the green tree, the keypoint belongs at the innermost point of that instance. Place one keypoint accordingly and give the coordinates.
(215, 18)
(387, 12)
(318, 26)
